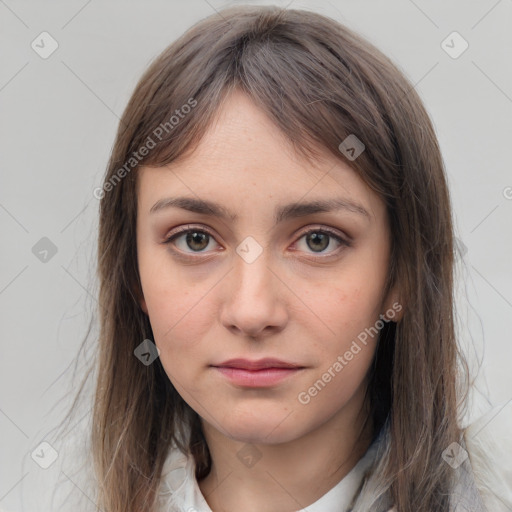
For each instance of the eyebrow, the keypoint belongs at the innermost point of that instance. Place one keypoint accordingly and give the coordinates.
(282, 213)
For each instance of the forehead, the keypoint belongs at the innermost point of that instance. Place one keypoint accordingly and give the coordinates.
(244, 159)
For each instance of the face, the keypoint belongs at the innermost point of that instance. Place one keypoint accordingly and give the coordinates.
(229, 270)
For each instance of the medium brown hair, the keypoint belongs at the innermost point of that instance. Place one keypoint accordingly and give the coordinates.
(318, 82)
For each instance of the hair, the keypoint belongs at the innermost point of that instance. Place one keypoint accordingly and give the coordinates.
(319, 82)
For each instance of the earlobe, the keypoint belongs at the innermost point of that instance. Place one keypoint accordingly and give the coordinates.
(394, 308)
(137, 291)
(143, 306)
(397, 311)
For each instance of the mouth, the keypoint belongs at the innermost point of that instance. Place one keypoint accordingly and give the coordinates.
(262, 373)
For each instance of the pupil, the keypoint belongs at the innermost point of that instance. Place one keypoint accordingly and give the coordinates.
(320, 239)
(192, 238)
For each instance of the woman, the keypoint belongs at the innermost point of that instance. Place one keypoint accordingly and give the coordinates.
(244, 360)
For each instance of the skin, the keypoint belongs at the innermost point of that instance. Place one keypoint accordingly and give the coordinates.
(292, 303)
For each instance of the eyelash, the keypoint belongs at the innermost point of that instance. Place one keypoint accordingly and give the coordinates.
(189, 229)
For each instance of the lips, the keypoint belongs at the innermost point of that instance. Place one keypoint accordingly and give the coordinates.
(262, 373)
(261, 364)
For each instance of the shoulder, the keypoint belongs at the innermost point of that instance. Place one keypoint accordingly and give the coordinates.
(489, 446)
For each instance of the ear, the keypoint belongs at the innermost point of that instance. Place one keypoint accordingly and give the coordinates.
(393, 306)
(143, 306)
(137, 292)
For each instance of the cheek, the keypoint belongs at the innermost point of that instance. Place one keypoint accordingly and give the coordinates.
(179, 312)
(178, 320)
(345, 354)
(345, 307)
(168, 295)
(345, 314)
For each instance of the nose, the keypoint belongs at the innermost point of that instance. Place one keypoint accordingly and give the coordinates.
(254, 305)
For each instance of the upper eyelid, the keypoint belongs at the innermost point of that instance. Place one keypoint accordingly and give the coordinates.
(333, 231)
(182, 230)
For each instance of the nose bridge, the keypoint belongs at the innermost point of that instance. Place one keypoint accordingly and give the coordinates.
(253, 303)
(252, 275)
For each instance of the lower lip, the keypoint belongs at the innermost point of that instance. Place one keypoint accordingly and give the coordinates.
(257, 378)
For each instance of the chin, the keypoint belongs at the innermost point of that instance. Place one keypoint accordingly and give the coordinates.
(255, 436)
(269, 430)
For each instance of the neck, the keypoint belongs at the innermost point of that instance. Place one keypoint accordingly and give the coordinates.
(287, 476)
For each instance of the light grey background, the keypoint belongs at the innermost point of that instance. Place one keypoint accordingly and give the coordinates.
(57, 125)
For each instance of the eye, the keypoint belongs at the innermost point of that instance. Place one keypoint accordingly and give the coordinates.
(190, 240)
(195, 239)
(318, 240)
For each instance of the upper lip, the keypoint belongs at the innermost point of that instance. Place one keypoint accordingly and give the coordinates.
(247, 364)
